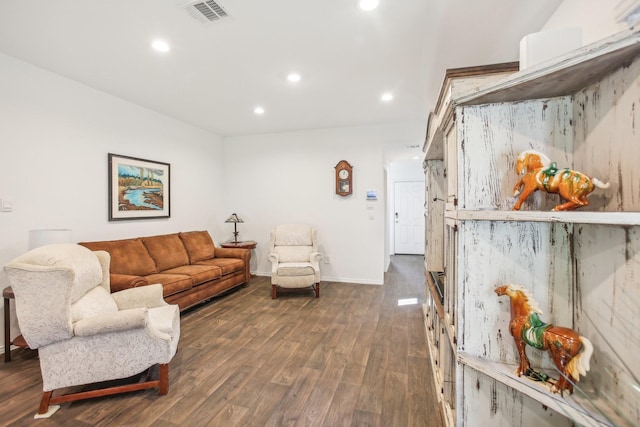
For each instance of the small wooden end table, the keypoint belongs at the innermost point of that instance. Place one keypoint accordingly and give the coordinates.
(247, 244)
(7, 294)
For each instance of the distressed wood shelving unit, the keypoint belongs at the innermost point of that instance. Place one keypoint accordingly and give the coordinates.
(583, 267)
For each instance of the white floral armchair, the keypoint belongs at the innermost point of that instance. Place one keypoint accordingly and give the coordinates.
(294, 256)
(83, 333)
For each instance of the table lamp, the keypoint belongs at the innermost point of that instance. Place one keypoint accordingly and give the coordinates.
(235, 220)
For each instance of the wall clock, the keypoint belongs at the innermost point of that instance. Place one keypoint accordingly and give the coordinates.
(344, 178)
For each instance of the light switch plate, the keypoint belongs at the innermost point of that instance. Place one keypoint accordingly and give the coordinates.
(6, 206)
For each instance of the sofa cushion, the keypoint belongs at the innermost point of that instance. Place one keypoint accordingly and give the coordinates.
(199, 273)
(128, 256)
(199, 245)
(171, 283)
(167, 251)
(227, 265)
(293, 253)
(293, 235)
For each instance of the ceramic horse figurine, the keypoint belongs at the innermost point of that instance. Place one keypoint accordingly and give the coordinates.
(541, 174)
(570, 351)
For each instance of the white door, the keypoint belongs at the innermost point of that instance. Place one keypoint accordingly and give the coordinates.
(409, 217)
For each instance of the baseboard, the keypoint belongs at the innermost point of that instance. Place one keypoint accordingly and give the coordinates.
(336, 279)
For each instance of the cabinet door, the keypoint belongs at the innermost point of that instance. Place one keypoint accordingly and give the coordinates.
(451, 159)
(451, 274)
(436, 194)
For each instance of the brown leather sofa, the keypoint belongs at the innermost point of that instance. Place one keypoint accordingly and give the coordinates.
(189, 266)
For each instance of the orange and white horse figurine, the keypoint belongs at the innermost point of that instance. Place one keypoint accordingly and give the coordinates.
(538, 173)
(570, 351)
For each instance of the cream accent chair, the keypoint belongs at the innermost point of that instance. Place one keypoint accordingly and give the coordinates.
(294, 256)
(83, 333)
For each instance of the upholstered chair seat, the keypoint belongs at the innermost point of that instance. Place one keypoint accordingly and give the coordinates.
(83, 333)
(294, 256)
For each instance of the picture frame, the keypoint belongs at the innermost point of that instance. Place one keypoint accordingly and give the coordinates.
(138, 188)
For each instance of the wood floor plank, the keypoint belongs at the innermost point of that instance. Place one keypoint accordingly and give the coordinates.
(421, 389)
(371, 392)
(365, 419)
(290, 411)
(342, 405)
(230, 415)
(394, 399)
(264, 405)
(352, 357)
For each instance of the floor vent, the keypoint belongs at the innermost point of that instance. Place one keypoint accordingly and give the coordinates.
(206, 11)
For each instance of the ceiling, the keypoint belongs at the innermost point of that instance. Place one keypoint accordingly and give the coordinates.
(216, 73)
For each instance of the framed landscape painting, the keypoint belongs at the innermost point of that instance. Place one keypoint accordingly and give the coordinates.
(138, 188)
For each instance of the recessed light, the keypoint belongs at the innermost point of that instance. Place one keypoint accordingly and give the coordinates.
(294, 77)
(368, 4)
(386, 97)
(258, 110)
(160, 45)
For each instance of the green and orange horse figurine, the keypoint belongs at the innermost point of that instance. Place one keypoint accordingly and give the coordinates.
(539, 173)
(570, 351)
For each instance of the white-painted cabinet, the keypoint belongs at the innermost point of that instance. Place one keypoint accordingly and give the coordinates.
(583, 267)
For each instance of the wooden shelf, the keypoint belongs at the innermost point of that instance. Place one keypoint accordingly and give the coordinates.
(575, 217)
(571, 406)
(562, 76)
(579, 265)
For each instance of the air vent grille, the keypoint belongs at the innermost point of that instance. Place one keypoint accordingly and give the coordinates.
(206, 11)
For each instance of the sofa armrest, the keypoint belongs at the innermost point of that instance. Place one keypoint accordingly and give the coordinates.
(240, 253)
(142, 297)
(124, 320)
(126, 281)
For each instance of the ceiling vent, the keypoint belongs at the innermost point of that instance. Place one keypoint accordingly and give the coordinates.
(206, 11)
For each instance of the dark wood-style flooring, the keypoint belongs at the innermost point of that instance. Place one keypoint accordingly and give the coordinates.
(353, 357)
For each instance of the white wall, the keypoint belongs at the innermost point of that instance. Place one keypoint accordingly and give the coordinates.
(289, 177)
(595, 17)
(54, 138)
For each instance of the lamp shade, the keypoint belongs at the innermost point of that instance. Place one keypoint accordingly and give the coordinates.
(234, 218)
(49, 236)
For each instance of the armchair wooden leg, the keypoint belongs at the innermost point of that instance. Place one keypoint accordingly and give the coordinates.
(316, 288)
(44, 403)
(164, 378)
(162, 383)
(273, 291)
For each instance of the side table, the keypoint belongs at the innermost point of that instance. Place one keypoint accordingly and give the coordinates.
(247, 244)
(7, 294)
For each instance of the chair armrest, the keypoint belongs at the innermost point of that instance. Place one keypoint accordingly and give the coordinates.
(105, 262)
(118, 321)
(314, 259)
(143, 297)
(274, 258)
